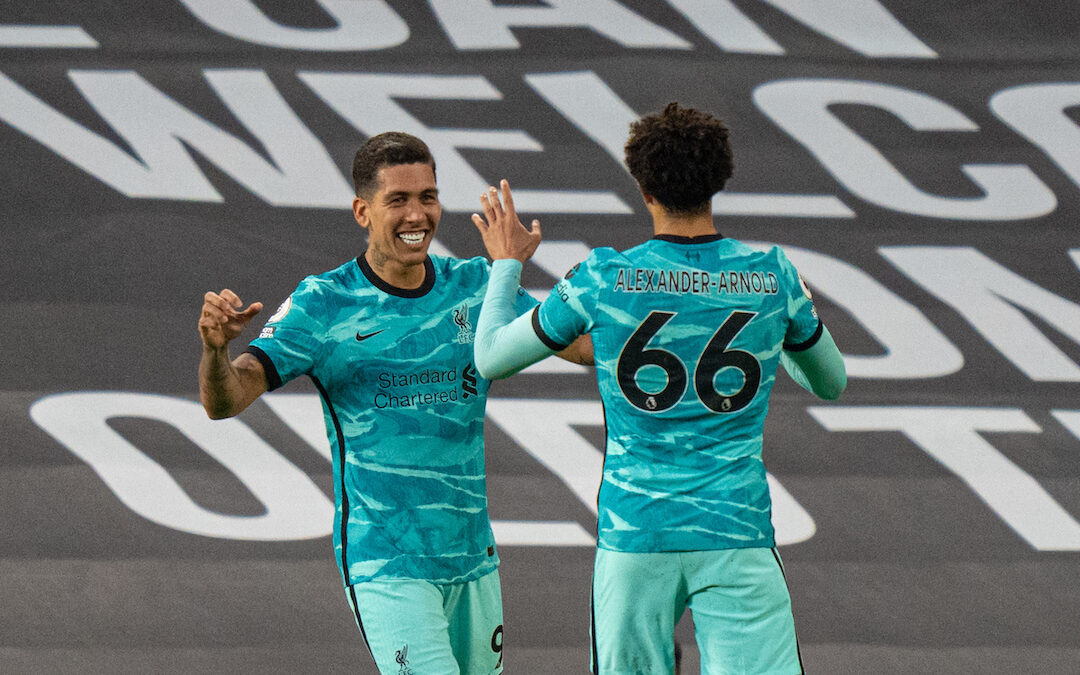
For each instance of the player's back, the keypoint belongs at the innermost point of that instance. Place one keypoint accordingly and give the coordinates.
(687, 335)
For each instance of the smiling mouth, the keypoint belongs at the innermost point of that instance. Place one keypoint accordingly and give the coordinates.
(412, 238)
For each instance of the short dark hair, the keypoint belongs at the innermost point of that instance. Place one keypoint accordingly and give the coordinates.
(386, 149)
(680, 156)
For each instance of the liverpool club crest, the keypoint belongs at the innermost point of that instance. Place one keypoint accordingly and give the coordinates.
(465, 329)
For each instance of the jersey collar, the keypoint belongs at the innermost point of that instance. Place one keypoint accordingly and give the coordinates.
(703, 239)
(379, 283)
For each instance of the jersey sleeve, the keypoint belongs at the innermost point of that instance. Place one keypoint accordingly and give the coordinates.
(570, 309)
(520, 299)
(523, 302)
(505, 344)
(804, 326)
(289, 343)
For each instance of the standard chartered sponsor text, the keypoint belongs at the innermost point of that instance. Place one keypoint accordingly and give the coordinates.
(409, 398)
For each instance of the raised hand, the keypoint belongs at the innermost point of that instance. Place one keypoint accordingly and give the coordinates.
(222, 319)
(503, 234)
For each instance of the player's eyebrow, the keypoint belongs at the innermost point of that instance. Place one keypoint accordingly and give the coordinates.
(405, 193)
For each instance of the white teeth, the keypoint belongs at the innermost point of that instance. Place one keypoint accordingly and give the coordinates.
(412, 237)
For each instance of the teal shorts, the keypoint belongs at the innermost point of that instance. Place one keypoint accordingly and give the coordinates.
(415, 627)
(738, 598)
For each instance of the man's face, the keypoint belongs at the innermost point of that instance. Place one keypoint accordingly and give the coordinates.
(402, 216)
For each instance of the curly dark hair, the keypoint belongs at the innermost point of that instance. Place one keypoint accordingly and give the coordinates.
(386, 149)
(680, 156)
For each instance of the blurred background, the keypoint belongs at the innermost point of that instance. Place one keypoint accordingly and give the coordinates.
(918, 161)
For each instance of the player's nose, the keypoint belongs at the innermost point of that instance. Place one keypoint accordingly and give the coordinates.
(414, 211)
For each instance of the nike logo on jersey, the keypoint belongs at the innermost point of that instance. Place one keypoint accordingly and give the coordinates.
(361, 338)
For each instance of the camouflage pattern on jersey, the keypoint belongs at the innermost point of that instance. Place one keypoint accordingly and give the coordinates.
(687, 336)
(404, 412)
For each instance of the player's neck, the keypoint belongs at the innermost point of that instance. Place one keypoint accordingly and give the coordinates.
(396, 273)
(683, 226)
(679, 224)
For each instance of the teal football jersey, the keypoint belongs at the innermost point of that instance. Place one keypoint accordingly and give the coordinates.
(687, 335)
(404, 412)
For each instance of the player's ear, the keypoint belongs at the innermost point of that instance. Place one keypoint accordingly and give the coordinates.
(361, 212)
(652, 204)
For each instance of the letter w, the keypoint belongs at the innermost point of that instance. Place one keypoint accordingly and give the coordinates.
(299, 171)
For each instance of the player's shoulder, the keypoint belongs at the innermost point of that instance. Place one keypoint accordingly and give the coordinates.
(462, 268)
(762, 253)
(308, 300)
(326, 293)
(592, 267)
(602, 256)
(770, 259)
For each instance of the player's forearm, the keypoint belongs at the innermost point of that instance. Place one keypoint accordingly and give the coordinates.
(580, 351)
(222, 386)
(504, 343)
(819, 369)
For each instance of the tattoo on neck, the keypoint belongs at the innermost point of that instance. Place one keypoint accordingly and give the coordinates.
(378, 258)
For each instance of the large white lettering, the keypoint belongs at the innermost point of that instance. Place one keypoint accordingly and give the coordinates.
(46, 37)
(157, 128)
(361, 25)
(864, 26)
(367, 101)
(987, 296)
(951, 436)
(1070, 419)
(295, 507)
(801, 108)
(477, 24)
(588, 102)
(914, 347)
(1037, 112)
(727, 27)
(297, 171)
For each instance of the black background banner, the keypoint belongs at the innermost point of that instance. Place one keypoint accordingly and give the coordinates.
(919, 161)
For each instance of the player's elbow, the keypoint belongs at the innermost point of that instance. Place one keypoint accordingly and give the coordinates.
(218, 410)
(831, 393)
(218, 413)
(488, 368)
(833, 387)
(483, 370)
(486, 359)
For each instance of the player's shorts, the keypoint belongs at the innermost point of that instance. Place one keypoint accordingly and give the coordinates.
(738, 597)
(415, 627)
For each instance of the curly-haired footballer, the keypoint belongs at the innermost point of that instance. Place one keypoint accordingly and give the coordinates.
(688, 331)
